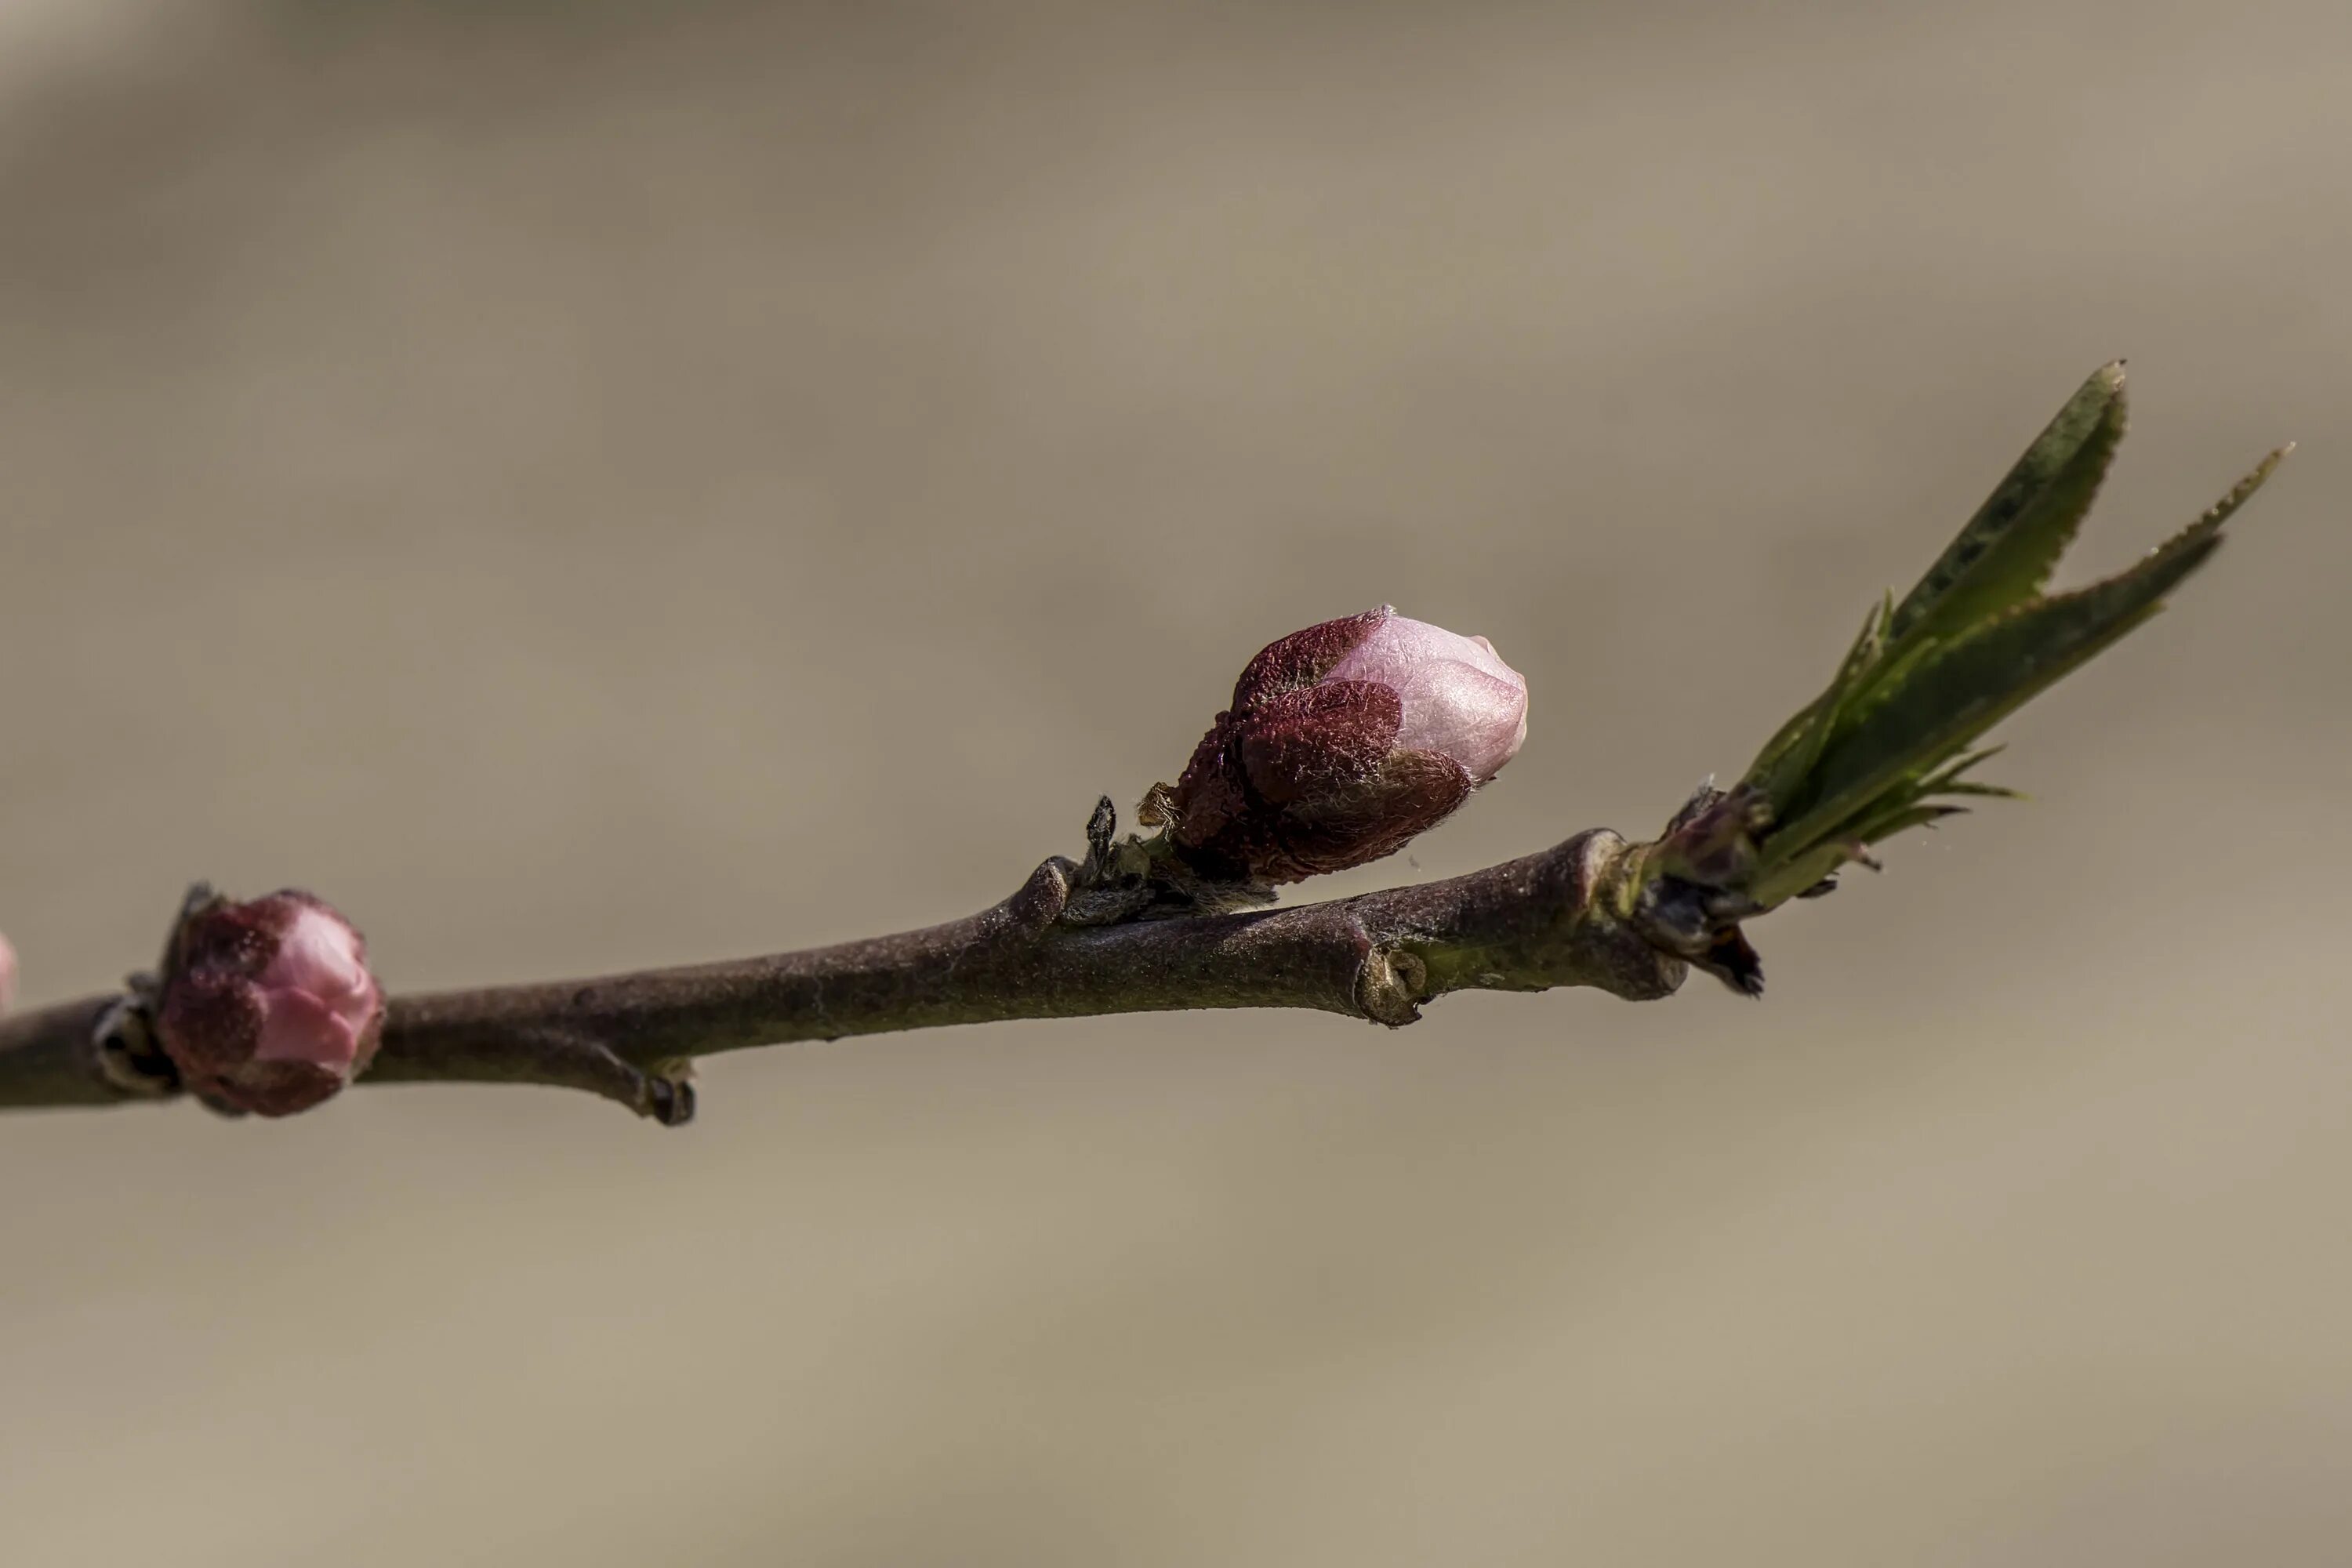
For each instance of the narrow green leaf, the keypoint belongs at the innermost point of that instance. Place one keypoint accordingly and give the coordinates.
(1846, 846)
(1948, 778)
(1785, 881)
(1886, 824)
(1790, 754)
(1955, 698)
(2221, 511)
(2005, 553)
(1995, 792)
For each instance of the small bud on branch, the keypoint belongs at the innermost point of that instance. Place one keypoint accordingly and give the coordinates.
(267, 1006)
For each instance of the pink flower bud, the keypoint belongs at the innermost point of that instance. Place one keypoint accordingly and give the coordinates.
(7, 974)
(1459, 697)
(270, 1005)
(1344, 741)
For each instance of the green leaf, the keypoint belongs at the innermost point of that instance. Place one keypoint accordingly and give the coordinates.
(1886, 824)
(1790, 754)
(2005, 553)
(1948, 779)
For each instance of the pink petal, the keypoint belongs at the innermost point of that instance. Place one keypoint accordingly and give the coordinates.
(320, 954)
(299, 1028)
(1460, 699)
(1465, 714)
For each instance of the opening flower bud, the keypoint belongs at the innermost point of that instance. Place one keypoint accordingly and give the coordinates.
(7, 974)
(268, 1006)
(1343, 742)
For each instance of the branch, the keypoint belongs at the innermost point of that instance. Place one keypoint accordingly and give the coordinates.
(1153, 925)
(1558, 917)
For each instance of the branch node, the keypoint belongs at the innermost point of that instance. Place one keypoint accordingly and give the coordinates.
(1390, 985)
(661, 1092)
(124, 1043)
(1149, 878)
(1700, 925)
(1039, 901)
(669, 1099)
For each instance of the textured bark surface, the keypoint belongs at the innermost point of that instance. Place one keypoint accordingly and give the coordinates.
(1548, 919)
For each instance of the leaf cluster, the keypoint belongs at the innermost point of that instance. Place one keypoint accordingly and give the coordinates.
(1890, 743)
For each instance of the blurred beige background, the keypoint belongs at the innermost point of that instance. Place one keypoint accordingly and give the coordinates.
(597, 485)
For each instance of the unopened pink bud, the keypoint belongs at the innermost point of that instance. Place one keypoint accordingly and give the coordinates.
(1459, 698)
(270, 1005)
(7, 974)
(1343, 742)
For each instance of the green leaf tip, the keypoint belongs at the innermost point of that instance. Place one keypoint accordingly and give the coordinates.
(2006, 552)
(1884, 748)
